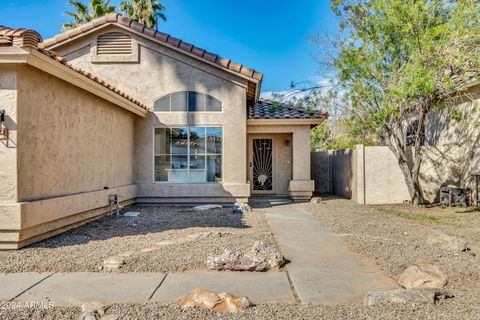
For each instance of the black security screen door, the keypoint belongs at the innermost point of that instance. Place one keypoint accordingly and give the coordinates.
(262, 165)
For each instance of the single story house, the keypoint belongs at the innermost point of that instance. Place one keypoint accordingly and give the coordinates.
(113, 108)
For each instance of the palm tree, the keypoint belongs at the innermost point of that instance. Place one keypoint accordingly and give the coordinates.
(84, 13)
(148, 12)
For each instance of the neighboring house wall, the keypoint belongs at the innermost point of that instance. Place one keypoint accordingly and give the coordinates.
(71, 144)
(160, 71)
(452, 152)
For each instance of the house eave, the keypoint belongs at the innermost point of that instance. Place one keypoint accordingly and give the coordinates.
(42, 62)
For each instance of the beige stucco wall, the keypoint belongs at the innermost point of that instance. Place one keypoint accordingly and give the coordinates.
(8, 151)
(69, 145)
(69, 141)
(162, 71)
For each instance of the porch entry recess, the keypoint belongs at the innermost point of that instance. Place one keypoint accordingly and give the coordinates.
(262, 165)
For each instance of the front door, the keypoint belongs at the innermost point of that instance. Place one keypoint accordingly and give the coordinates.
(261, 166)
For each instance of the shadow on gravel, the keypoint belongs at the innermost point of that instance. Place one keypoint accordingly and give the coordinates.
(150, 220)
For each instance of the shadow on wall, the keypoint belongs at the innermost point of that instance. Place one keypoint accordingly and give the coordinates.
(452, 151)
(151, 220)
(342, 172)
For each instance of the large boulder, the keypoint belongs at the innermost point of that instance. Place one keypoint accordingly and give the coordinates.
(217, 302)
(423, 274)
(401, 296)
(448, 242)
(259, 258)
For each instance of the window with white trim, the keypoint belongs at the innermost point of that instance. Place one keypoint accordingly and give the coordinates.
(188, 154)
(188, 101)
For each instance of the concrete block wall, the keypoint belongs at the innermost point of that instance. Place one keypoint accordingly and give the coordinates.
(367, 175)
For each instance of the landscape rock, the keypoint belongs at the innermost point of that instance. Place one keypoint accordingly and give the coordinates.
(207, 207)
(232, 303)
(316, 200)
(94, 306)
(92, 311)
(240, 207)
(448, 242)
(400, 296)
(87, 316)
(222, 302)
(110, 317)
(260, 258)
(113, 263)
(424, 274)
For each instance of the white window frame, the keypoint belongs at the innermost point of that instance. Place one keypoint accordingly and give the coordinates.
(188, 153)
(188, 99)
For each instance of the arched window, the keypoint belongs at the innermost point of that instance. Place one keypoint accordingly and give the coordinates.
(188, 101)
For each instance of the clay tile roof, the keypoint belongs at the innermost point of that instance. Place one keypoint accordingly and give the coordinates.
(29, 38)
(266, 109)
(20, 37)
(167, 39)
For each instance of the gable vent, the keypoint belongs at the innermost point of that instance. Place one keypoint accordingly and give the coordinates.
(114, 43)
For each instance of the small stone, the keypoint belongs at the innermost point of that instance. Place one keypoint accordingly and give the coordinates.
(260, 258)
(232, 303)
(448, 242)
(199, 298)
(207, 207)
(221, 303)
(316, 200)
(110, 317)
(87, 316)
(240, 207)
(424, 274)
(131, 214)
(113, 263)
(94, 306)
(400, 296)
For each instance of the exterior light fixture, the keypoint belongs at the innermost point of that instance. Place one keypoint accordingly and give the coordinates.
(3, 130)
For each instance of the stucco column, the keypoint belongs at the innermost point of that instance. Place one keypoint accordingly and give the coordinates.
(301, 186)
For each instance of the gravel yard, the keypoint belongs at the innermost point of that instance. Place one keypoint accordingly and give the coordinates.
(394, 235)
(391, 236)
(160, 239)
(266, 311)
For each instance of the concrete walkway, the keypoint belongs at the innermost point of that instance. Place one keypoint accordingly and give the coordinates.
(322, 269)
(70, 289)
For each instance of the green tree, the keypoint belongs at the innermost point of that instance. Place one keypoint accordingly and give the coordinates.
(398, 59)
(148, 12)
(84, 13)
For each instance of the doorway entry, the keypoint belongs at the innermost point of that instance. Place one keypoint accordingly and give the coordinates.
(261, 165)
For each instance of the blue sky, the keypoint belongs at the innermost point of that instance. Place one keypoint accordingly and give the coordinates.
(270, 36)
